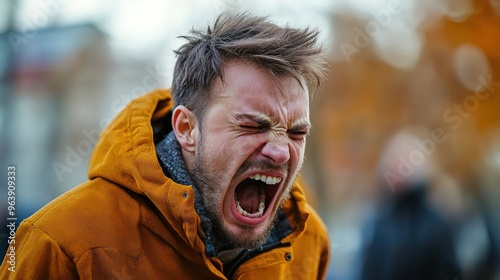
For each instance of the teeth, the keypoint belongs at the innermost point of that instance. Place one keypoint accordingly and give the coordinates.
(262, 206)
(270, 180)
(262, 201)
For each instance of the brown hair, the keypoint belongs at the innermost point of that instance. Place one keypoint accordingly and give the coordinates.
(284, 51)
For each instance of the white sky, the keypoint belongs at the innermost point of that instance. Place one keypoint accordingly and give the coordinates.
(136, 26)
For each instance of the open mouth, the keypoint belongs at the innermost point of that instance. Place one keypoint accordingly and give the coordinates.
(254, 195)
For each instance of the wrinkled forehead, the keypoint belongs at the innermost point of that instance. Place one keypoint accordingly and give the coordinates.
(248, 88)
(241, 76)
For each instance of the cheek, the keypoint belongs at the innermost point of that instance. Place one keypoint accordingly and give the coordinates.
(297, 149)
(213, 143)
(247, 145)
(250, 143)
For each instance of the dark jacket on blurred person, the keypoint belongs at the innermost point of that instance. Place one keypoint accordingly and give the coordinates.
(410, 240)
(131, 221)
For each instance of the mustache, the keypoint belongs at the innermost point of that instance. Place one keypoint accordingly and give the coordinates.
(263, 165)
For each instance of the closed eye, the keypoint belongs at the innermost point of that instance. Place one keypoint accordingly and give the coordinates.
(251, 126)
(252, 122)
(256, 125)
(297, 134)
(299, 131)
(293, 132)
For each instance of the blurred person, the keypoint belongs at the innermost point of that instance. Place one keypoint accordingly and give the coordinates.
(198, 182)
(407, 238)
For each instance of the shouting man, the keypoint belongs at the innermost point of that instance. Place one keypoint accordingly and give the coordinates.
(199, 182)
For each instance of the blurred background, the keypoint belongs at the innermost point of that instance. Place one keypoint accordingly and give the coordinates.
(403, 163)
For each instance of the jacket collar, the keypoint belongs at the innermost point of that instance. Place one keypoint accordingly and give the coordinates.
(170, 157)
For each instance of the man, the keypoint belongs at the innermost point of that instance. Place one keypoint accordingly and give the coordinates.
(406, 237)
(201, 186)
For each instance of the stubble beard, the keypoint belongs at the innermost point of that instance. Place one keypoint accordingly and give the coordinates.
(212, 194)
(211, 199)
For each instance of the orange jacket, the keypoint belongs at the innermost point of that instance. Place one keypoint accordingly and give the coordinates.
(130, 221)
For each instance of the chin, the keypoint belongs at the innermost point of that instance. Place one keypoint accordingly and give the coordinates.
(248, 237)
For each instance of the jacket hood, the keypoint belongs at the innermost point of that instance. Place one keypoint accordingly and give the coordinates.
(125, 155)
(125, 152)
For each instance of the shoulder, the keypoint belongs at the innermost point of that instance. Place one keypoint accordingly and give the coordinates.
(316, 227)
(96, 214)
(311, 249)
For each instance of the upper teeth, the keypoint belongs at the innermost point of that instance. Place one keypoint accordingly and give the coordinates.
(270, 180)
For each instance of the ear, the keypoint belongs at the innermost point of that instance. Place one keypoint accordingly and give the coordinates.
(185, 128)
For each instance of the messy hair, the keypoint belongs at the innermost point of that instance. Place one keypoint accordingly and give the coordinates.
(283, 51)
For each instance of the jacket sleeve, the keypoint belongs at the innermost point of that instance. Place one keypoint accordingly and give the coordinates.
(320, 229)
(36, 256)
(324, 260)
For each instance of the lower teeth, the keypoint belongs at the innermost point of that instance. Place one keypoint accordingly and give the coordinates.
(262, 206)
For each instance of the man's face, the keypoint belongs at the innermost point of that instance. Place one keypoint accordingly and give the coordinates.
(249, 151)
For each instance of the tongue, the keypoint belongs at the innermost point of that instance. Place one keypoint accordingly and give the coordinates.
(248, 196)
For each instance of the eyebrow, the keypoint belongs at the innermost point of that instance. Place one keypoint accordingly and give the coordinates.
(301, 126)
(265, 121)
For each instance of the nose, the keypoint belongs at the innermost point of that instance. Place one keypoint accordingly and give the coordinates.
(277, 152)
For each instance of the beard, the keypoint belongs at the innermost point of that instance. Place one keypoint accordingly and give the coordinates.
(207, 182)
